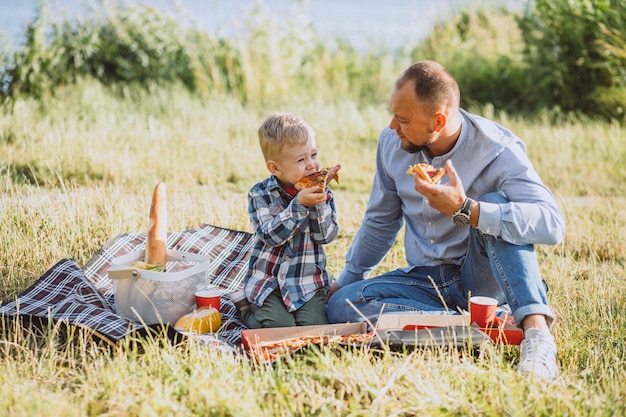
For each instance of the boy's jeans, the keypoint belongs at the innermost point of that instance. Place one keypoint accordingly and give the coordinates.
(492, 267)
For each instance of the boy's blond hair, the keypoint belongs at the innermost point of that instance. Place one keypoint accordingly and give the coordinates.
(280, 129)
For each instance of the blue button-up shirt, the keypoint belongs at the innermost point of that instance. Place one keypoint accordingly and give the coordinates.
(488, 158)
(288, 252)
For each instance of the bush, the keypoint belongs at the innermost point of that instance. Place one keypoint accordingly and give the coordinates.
(117, 45)
(482, 49)
(575, 50)
(120, 45)
(565, 55)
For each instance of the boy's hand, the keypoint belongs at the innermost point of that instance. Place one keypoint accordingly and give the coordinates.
(333, 289)
(311, 196)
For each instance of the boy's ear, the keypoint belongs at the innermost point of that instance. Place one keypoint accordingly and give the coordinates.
(272, 167)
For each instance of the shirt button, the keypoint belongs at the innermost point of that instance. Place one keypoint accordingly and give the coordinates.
(432, 241)
(430, 223)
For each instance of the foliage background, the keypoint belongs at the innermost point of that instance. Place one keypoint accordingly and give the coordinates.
(94, 113)
(560, 55)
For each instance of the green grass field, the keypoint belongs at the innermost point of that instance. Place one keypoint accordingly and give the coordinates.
(78, 169)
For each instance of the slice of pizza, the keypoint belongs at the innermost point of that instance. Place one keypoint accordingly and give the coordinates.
(427, 172)
(319, 179)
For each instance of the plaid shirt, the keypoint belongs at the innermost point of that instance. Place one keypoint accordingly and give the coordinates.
(288, 252)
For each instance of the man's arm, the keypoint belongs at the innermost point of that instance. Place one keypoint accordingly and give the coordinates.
(530, 217)
(381, 223)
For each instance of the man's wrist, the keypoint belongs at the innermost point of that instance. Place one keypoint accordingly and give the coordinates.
(475, 214)
(462, 217)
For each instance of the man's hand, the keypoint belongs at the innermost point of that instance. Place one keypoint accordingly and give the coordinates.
(311, 196)
(448, 197)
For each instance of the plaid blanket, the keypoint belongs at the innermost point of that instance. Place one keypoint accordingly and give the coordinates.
(84, 297)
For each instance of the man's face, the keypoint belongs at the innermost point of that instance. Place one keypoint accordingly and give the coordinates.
(413, 123)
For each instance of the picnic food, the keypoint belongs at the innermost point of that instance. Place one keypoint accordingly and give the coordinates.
(203, 320)
(149, 267)
(427, 172)
(156, 246)
(319, 178)
(272, 350)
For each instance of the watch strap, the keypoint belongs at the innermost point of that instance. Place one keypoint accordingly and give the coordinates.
(467, 206)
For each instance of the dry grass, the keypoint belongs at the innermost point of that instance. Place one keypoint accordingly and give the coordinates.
(79, 169)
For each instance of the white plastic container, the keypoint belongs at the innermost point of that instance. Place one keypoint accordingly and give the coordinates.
(158, 297)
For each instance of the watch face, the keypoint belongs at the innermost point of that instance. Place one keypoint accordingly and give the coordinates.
(462, 216)
(461, 219)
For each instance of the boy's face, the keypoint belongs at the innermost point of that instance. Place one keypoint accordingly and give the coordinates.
(295, 162)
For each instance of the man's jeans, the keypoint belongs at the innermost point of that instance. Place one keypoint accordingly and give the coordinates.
(492, 267)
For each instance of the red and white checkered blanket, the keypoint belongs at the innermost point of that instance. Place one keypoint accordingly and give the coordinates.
(84, 297)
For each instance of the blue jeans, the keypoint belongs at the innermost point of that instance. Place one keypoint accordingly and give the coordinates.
(492, 267)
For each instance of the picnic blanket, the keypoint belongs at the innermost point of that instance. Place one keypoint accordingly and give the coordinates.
(84, 297)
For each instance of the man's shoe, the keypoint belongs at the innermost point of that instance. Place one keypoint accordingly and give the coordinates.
(538, 355)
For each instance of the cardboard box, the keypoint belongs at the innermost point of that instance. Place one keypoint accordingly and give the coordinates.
(251, 338)
(266, 345)
(412, 321)
(424, 330)
(503, 332)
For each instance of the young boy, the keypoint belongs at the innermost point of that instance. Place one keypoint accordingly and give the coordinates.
(287, 282)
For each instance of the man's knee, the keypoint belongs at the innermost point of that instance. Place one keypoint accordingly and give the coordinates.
(494, 197)
(333, 308)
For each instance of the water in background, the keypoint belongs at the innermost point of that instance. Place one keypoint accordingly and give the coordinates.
(361, 22)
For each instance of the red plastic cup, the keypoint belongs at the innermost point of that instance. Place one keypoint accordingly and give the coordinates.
(208, 297)
(483, 310)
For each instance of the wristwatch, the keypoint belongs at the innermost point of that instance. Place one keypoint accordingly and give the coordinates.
(462, 216)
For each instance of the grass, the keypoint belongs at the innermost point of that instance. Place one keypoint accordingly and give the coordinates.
(79, 169)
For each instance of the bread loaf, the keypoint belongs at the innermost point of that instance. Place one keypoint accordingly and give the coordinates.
(156, 246)
(203, 320)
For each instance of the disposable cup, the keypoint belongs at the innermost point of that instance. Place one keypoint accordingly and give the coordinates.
(483, 310)
(208, 297)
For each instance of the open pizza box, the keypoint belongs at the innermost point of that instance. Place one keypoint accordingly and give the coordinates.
(458, 328)
(411, 330)
(504, 332)
(259, 341)
(413, 321)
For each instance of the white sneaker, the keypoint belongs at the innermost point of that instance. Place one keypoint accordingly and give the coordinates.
(538, 355)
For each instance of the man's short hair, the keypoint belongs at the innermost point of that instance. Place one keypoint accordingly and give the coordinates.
(433, 84)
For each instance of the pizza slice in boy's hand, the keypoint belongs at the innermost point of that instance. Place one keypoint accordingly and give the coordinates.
(319, 178)
(427, 172)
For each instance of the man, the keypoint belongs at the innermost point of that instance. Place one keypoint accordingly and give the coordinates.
(473, 233)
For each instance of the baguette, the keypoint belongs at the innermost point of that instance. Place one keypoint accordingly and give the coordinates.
(156, 245)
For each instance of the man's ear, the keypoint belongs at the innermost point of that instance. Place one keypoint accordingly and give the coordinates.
(272, 167)
(440, 121)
